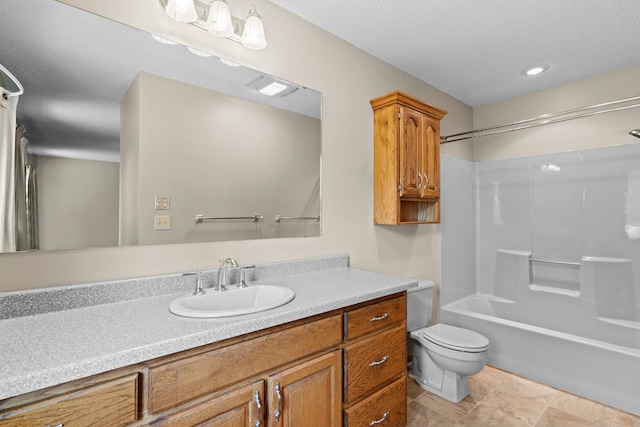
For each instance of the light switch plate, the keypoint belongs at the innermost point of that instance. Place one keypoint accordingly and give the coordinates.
(162, 203)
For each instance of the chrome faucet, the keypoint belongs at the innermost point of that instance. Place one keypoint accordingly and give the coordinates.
(222, 273)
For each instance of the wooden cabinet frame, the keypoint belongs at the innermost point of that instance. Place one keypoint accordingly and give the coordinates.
(406, 160)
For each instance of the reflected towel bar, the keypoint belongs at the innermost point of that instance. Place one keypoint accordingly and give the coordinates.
(548, 261)
(289, 218)
(255, 218)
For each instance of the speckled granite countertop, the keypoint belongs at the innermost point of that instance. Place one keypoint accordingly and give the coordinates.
(42, 350)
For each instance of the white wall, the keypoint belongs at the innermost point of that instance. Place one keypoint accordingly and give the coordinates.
(348, 78)
(597, 131)
(77, 203)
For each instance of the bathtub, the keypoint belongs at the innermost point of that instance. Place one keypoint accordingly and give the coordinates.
(557, 340)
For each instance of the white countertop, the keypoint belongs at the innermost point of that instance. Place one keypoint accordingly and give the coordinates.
(43, 350)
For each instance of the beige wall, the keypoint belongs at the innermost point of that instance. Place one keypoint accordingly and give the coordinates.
(599, 130)
(215, 155)
(77, 203)
(348, 78)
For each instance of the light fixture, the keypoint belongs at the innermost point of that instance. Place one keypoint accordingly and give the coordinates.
(229, 63)
(181, 10)
(219, 19)
(534, 71)
(253, 33)
(215, 17)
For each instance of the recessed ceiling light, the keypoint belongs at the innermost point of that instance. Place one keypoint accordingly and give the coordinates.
(534, 71)
(198, 52)
(163, 40)
(229, 63)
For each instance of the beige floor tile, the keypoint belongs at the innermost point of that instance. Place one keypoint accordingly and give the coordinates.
(521, 398)
(419, 415)
(413, 388)
(453, 411)
(487, 416)
(624, 419)
(483, 383)
(566, 410)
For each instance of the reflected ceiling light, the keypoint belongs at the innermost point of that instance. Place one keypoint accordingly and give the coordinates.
(181, 10)
(198, 52)
(229, 63)
(163, 40)
(271, 87)
(215, 17)
(253, 34)
(534, 71)
(219, 19)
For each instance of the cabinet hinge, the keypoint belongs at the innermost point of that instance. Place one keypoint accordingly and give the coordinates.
(399, 115)
(399, 188)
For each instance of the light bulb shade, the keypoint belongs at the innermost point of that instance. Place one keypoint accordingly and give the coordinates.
(181, 10)
(219, 20)
(253, 34)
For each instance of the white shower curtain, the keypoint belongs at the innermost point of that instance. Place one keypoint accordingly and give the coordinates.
(7, 171)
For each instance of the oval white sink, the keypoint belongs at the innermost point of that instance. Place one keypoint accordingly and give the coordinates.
(232, 302)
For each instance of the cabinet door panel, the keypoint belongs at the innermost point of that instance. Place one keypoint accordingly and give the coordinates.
(307, 395)
(431, 159)
(410, 142)
(230, 409)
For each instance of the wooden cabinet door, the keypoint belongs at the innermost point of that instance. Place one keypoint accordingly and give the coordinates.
(410, 140)
(307, 395)
(243, 407)
(430, 159)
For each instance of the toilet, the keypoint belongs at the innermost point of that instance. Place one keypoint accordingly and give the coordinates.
(442, 356)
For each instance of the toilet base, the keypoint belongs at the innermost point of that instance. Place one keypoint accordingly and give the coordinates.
(453, 388)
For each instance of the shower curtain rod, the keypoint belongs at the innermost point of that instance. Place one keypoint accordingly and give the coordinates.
(15, 81)
(544, 119)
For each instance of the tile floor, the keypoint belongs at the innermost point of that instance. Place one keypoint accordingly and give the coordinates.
(499, 398)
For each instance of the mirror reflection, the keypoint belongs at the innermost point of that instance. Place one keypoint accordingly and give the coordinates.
(131, 137)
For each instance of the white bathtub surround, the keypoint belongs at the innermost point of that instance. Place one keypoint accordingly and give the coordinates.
(568, 315)
(53, 347)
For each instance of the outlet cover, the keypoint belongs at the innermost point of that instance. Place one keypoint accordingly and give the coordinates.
(162, 222)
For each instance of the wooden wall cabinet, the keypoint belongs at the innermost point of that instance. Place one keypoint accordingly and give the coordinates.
(406, 184)
(286, 376)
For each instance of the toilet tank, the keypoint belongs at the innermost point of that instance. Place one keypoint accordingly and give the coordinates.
(419, 304)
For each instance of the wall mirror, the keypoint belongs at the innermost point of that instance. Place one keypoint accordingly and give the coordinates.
(134, 138)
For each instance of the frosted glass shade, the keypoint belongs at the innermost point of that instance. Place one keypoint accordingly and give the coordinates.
(253, 34)
(181, 10)
(219, 20)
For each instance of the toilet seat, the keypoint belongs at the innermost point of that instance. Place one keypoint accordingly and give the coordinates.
(455, 338)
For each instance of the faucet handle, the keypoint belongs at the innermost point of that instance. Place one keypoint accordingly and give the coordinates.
(199, 288)
(243, 276)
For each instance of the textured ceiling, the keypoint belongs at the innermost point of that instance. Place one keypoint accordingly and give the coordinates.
(475, 50)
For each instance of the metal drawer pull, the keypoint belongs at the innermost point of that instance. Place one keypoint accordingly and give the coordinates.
(375, 319)
(384, 417)
(379, 362)
(58, 425)
(419, 181)
(257, 398)
(278, 411)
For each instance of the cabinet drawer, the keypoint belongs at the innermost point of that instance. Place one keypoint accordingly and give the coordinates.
(376, 317)
(186, 379)
(113, 403)
(386, 408)
(372, 362)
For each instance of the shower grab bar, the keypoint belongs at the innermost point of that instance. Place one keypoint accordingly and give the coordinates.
(289, 218)
(548, 261)
(254, 218)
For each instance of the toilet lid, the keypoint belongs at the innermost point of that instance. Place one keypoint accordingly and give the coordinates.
(456, 338)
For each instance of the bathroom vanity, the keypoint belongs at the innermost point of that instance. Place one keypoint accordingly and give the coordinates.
(336, 352)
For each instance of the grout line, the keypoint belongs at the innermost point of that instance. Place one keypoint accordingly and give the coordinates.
(555, 394)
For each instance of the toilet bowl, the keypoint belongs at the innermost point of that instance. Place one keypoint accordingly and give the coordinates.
(442, 356)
